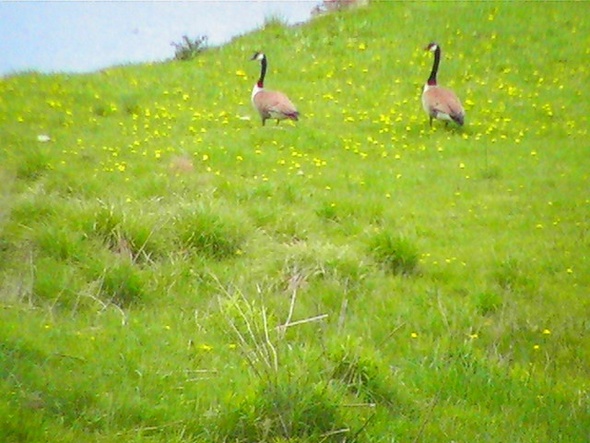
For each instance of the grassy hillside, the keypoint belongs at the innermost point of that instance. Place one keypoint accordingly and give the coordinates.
(172, 271)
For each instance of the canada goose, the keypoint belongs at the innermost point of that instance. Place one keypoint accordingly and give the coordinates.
(271, 104)
(440, 103)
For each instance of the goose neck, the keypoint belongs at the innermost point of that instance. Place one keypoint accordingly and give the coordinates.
(263, 65)
(435, 64)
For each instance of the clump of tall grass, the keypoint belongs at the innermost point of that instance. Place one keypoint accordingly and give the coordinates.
(205, 232)
(128, 233)
(488, 302)
(364, 376)
(286, 397)
(34, 163)
(122, 284)
(289, 409)
(397, 254)
(61, 243)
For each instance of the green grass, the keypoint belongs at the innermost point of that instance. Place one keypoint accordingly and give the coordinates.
(171, 271)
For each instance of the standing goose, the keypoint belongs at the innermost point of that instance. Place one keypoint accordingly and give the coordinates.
(440, 103)
(271, 104)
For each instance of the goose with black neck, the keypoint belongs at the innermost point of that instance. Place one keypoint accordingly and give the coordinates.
(270, 104)
(438, 102)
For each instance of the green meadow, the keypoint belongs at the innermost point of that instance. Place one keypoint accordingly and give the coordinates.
(173, 271)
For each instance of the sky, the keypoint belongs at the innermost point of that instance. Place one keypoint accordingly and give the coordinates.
(85, 36)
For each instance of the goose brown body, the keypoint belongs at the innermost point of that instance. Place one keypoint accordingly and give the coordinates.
(271, 104)
(438, 102)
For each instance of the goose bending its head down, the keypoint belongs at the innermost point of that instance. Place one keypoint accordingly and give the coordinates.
(271, 104)
(438, 102)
